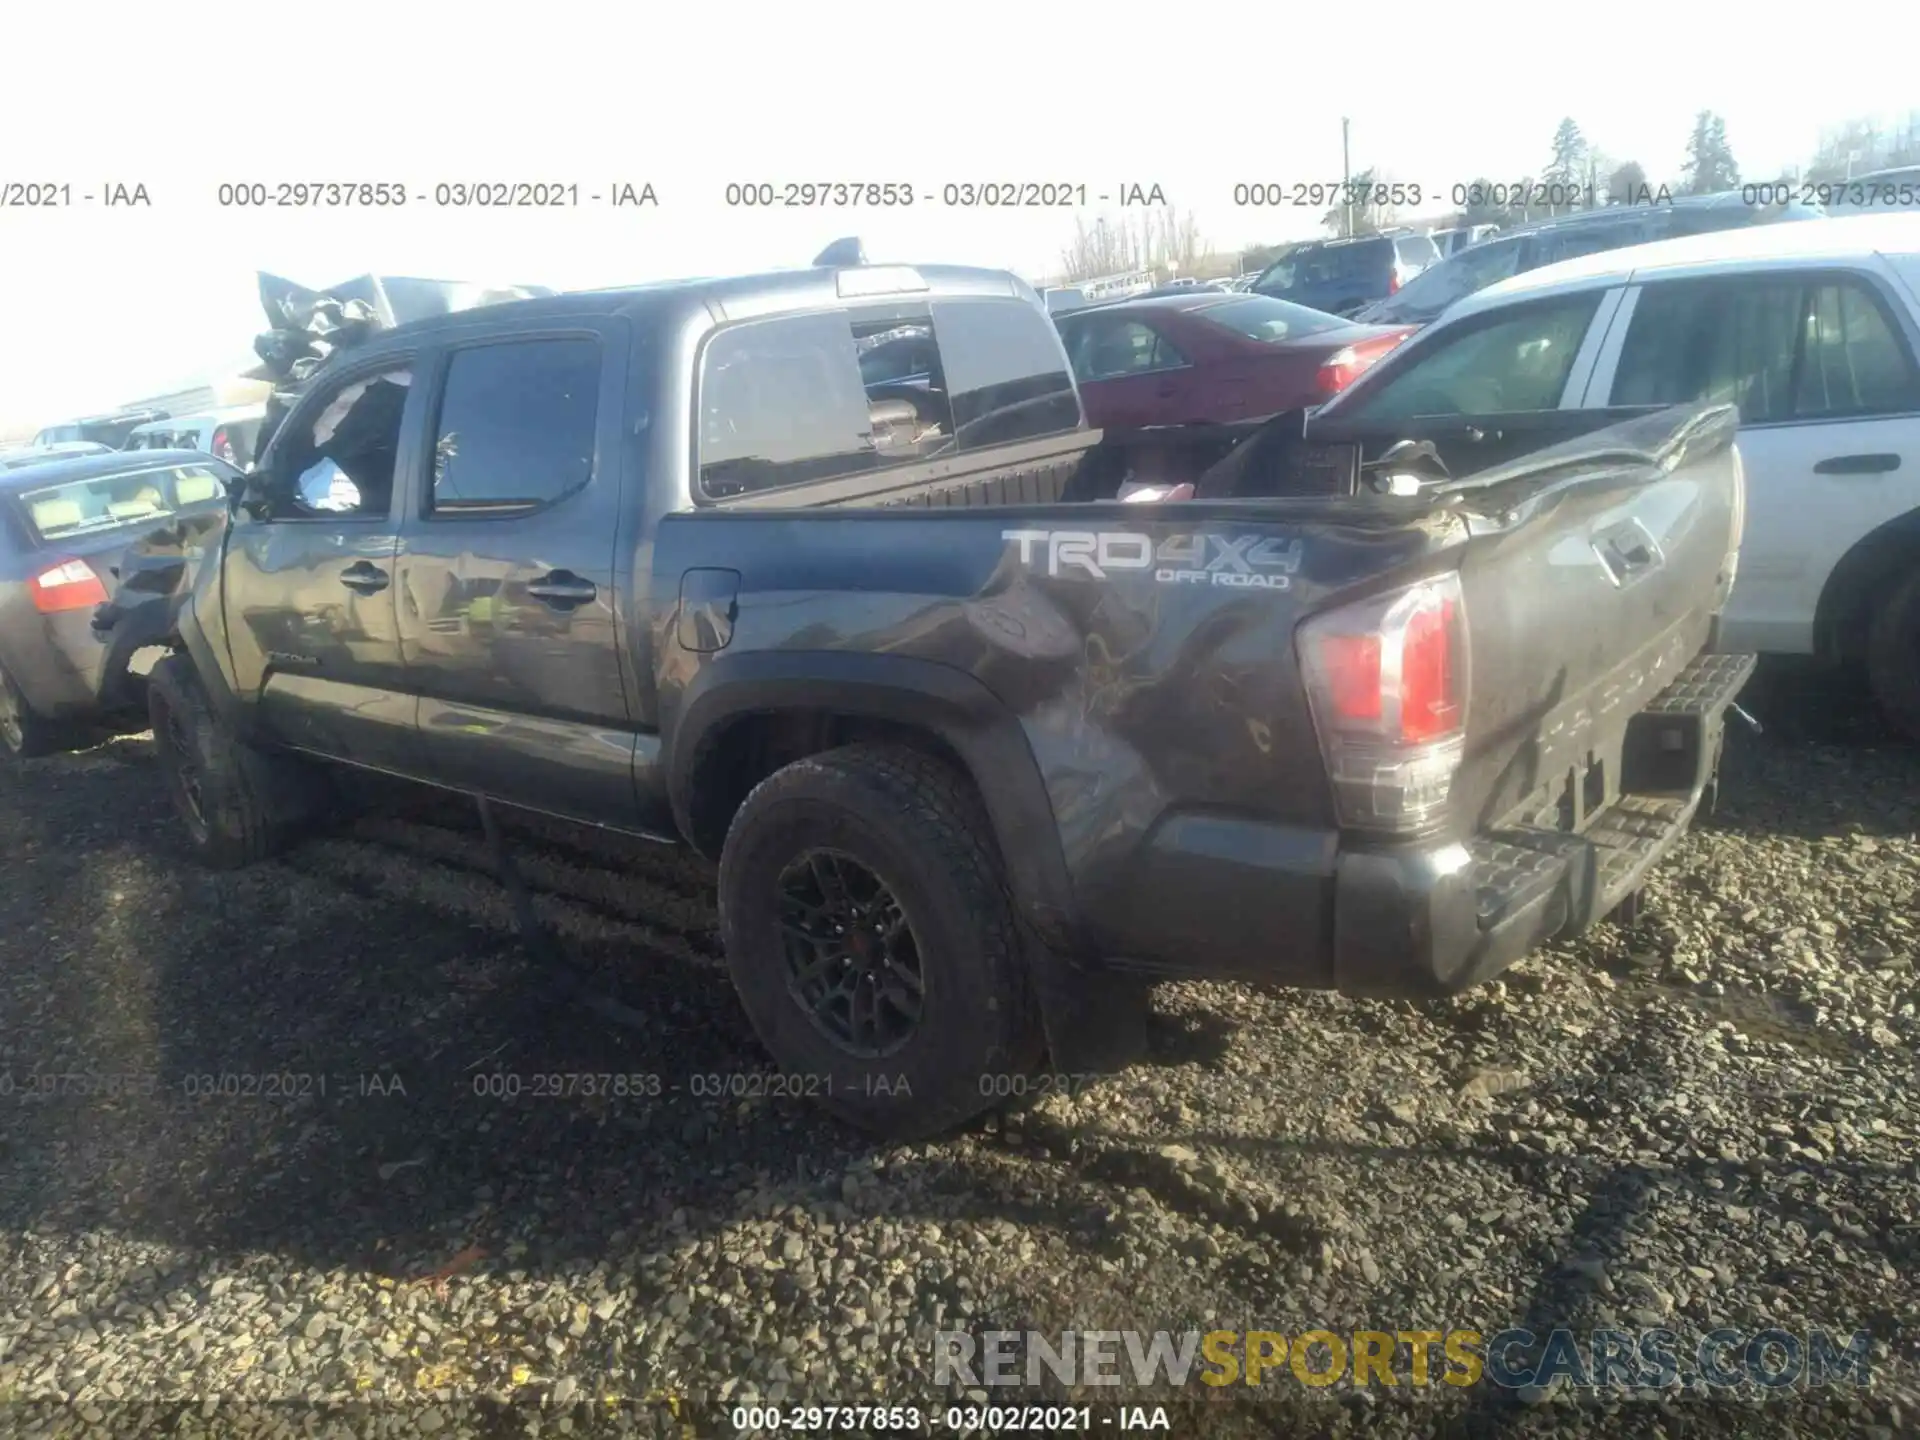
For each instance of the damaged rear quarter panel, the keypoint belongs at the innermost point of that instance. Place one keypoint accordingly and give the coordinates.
(1146, 653)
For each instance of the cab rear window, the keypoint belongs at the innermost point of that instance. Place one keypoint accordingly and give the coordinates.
(104, 502)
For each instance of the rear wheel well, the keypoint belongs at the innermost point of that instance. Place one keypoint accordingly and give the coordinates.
(747, 749)
(1863, 576)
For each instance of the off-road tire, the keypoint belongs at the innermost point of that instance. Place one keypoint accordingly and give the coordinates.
(1893, 657)
(250, 805)
(24, 732)
(917, 825)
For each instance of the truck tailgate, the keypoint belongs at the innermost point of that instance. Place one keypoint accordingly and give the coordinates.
(1594, 575)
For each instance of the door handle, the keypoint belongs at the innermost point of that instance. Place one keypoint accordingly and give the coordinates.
(1857, 465)
(562, 589)
(367, 579)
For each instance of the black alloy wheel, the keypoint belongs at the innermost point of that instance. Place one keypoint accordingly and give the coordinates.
(852, 958)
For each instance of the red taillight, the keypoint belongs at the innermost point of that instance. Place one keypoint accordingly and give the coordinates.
(70, 585)
(223, 446)
(1387, 680)
(1348, 364)
(1393, 282)
(1429, 701)
(1353, 673)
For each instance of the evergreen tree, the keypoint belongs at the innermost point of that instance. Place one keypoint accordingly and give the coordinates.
(1710, 165)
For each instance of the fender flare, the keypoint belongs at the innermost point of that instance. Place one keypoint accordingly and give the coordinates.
(1853, 582)
(922, 694)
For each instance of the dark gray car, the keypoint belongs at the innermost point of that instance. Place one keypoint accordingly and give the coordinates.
(1587, 232)
(64, 525)
(1342, 277)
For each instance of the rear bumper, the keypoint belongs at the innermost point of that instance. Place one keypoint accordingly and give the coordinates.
(57, 663)
(1246, 900)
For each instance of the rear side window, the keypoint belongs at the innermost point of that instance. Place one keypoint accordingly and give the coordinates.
(1495, 364)
(1853, 363)
(1693, 341)
(1780, 350)
(782, 402)
(516, 427)
(1005, 370)
(803, 398)
(1107, 347)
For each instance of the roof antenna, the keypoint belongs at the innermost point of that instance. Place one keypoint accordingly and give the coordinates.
(845, 251)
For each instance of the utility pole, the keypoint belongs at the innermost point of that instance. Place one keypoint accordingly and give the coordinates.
(1346, 176)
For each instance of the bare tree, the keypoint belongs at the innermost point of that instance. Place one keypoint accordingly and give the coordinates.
(1148, 239)
(1850, 149)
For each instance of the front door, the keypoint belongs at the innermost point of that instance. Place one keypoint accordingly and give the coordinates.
(508, 620)
(310, 573)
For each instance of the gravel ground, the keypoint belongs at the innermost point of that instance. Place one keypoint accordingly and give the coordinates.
(1707, 1118)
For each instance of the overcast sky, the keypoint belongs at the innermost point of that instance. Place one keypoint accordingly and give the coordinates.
(100, 305)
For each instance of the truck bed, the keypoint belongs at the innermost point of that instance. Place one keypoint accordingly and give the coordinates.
(1161, 697)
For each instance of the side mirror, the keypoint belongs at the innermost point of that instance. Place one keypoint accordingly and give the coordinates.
(253, 493)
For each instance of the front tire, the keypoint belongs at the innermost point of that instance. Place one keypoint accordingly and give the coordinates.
(1893, 657)
(873, 943)
(237, 804)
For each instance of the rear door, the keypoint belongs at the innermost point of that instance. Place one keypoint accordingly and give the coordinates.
(310, 569)
(1130, 374)
(1822, 366)
(507, 613)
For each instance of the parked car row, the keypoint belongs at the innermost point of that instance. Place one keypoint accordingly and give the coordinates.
(1587, 232)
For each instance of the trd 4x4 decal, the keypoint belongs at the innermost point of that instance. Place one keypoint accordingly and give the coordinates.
(1254, 562)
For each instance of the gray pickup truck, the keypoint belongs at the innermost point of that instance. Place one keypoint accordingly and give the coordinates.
(980, 750)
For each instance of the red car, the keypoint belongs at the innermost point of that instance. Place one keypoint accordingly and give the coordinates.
(1212, 356)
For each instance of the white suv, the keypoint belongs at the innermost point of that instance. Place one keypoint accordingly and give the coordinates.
(1812, 329)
